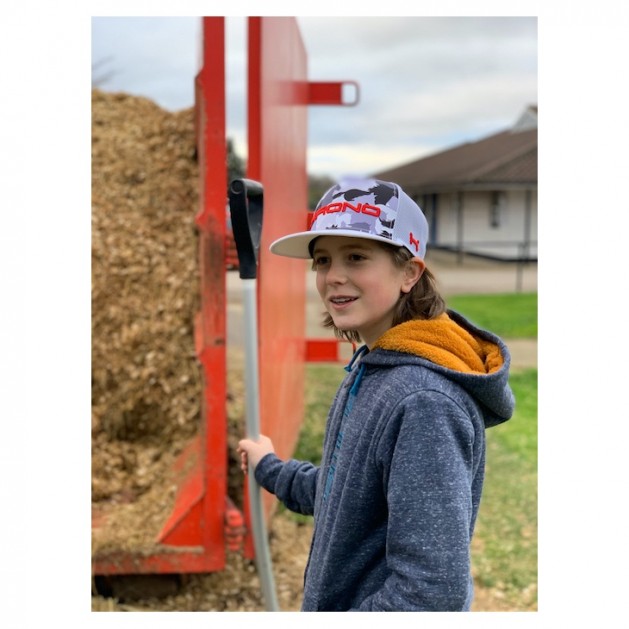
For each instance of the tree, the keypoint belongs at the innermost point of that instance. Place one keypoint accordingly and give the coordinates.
(317, 186)
(98, 80)
(235, 164)
(237, 168)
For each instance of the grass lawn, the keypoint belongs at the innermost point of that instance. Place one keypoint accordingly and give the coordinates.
(509, 315)
(504, 549)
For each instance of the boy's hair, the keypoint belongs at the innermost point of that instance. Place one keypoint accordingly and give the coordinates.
(423, 301)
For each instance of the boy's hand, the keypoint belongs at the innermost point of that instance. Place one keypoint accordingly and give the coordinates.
(253, 451)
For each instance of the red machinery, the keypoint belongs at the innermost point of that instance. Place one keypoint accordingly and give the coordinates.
(204, 521)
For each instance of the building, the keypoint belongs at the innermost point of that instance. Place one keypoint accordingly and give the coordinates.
(480, 198)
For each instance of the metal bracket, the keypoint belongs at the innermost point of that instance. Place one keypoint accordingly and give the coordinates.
(333, 93)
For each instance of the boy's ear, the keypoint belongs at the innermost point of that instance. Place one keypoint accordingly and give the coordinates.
(412, 272)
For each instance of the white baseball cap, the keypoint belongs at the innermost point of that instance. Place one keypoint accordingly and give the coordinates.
(362, 208)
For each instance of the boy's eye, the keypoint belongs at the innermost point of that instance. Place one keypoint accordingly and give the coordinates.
(320, 260)
(356, 257)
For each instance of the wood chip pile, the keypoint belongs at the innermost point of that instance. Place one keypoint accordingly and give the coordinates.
(146, 382)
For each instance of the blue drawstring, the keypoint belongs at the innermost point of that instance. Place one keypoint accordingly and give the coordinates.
(353, 392)
(357, 354)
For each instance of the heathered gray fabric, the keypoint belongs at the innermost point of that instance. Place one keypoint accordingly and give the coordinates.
(394, 532)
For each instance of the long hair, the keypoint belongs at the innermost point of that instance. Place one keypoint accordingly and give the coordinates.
(423, 301)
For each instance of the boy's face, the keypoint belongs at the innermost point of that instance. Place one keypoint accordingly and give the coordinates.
(359, 284)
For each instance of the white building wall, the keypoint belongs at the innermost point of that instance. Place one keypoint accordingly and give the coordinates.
(479, 236)
(446, 220)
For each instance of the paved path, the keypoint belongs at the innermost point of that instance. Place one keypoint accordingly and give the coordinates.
(523, 353)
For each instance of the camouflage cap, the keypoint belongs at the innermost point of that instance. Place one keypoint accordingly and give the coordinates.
(362, 208)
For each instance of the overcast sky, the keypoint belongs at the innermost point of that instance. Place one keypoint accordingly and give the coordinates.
(426, 83)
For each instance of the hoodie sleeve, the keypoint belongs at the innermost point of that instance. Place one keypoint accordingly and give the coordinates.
(428, 459)
(293, 482)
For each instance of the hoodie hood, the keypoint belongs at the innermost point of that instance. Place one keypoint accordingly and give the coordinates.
(475, 359)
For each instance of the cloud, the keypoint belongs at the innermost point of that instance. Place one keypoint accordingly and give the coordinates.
(154, 57)
(360, 159)
(425, 83)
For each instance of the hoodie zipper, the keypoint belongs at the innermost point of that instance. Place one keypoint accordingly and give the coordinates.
(353, 392)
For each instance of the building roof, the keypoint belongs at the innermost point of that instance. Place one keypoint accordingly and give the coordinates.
(504, 159)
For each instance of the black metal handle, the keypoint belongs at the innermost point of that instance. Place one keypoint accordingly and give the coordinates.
(246, 202)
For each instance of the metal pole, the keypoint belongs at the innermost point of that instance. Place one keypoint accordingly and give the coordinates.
(523, 248)
(519, 269)
(252, 422)
(460, 238)
(246, 203)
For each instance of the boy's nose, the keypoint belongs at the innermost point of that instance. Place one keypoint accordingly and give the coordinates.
(336, 274)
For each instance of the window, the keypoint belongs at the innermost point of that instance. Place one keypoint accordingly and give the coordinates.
(495, 209)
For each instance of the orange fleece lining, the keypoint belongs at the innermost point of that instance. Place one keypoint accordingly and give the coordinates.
(444, 343)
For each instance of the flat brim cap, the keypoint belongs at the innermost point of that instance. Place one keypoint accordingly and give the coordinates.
(298, 245)
(370, 209)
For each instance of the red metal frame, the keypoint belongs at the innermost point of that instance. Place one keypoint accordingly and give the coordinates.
(277, 137)
(331, 93)
(324, 350)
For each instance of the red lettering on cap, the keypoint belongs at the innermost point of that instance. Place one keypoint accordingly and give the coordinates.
(413, 241)
(371, 210)
(354, 208)
(360, 208)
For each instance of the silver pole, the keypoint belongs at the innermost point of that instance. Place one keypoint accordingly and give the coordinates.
(252, 416)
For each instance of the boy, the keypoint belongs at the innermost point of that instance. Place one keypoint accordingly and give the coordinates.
(396, 496)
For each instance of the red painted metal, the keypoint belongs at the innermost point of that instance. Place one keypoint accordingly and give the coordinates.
(206, 486)
(182, 528)
(231, 254)
(331, 93)
(320, 350)
(234, 527)
(277, 130)
(205, 489)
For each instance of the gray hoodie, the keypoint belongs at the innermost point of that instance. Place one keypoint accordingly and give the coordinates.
(396, 496)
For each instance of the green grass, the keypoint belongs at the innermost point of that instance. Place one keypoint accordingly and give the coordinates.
(504, 552)
(509, 315)
(322, 381)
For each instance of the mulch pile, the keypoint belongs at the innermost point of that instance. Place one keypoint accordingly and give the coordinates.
(144, 270)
